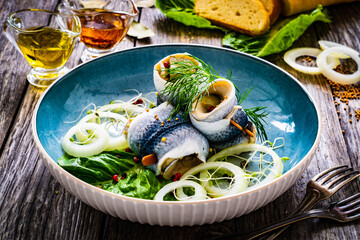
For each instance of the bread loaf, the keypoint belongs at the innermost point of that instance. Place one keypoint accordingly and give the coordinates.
(246, 16)
(290, 7)
(273, 7)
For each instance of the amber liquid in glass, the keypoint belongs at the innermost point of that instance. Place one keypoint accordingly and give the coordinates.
(46, 47)
(101, 29)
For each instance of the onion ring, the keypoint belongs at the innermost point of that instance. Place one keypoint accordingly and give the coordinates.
(276, 170)
(96, 146)
(200, 192)
(333, 75)
(328, 44)
(239, 185)
(115, 142)
(291, 56)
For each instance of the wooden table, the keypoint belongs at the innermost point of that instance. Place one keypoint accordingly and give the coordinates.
(33, 205)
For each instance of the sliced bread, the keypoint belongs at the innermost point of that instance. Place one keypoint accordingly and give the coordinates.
(273, 7)
(246, 16)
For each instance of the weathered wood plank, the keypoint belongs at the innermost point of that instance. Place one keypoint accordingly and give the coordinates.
(332, 150)
(33, 205)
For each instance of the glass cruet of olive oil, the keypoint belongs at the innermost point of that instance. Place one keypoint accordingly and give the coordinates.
(46, 39)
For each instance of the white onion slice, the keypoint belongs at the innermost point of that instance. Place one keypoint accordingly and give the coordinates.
(240, 182)
(328, 44)
(133, 109)
(333, 75)
(291, 56)
(200, 192)
(96, 146)
(276, 170)
(116, 142)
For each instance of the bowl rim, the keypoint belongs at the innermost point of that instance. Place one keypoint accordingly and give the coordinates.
(50, 161)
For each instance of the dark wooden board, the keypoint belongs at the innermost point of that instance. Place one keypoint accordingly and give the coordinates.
(33, 205)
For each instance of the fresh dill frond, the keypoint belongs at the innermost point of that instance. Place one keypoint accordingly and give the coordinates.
(257, 116)
(188, 84)
(241, 97)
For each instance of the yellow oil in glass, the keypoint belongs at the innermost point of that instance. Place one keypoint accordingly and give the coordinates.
(46, 47)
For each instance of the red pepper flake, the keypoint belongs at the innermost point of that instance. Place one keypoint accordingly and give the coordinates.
(123, 176)
(118, 156)
(136, 159)
(99, 187)
(138, 101)
(166, 64)
(128, 150)
(211, 108)
(115, 178)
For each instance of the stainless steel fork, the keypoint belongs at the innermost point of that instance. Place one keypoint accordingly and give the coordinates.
(343, 211)
(319, 188)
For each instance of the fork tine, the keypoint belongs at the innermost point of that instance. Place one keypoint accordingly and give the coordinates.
(327, 178)
(355, 217)
(341, 178)
(354, 210)
(349, 199)
(323, 173)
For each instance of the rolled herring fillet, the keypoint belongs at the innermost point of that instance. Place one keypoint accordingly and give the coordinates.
(176, 143)
(213, 115)
(160, 74)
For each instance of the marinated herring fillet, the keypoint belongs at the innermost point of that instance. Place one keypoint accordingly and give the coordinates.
(177, 145)
(160, 74)
(219, 118)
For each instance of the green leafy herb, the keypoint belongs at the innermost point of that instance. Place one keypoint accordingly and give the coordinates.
(189, 83)
(183, 11)
(280, 37)
(256, 115)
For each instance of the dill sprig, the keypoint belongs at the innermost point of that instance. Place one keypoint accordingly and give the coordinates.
(256, 115)
(188, 84)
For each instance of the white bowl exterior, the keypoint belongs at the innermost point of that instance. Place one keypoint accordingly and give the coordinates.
(165, 214)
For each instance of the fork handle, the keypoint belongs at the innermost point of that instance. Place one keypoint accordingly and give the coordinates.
(312, 196)
(316, 213)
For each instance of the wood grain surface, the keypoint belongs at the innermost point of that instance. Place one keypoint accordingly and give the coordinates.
(33, 205)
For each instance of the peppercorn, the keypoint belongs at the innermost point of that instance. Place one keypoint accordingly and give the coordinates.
(128, 150)
(123, 176)
(136, 159)
(166, 64)
(178, 175)
(115, 178)
(138, 101)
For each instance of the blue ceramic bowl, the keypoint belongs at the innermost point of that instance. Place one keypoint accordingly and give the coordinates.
(292, 112)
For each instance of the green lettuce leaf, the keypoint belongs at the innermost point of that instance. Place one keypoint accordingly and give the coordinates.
(99, 170)
(139, 183)
(280, 37)
(183, 11)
